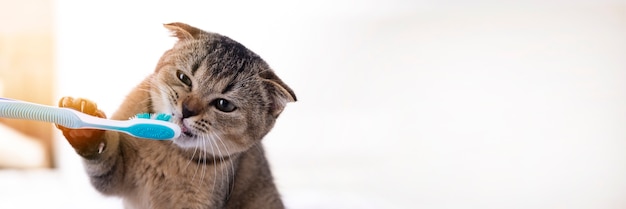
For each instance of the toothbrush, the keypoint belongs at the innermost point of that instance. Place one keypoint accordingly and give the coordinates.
(144, 125)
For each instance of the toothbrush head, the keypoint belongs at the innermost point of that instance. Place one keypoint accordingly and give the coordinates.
(154, 116)
(154, 126)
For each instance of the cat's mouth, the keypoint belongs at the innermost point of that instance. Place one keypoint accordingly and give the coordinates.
(185, 131)
(188, 133)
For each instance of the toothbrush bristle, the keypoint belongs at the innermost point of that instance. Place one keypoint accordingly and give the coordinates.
(143, 115)
(154, 116)
(163, 117)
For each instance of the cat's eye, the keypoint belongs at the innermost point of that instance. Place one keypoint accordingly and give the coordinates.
(183, 78)
(224, 105)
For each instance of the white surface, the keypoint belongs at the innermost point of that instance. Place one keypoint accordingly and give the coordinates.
(402, 104)
(18, 150)
(49, 189)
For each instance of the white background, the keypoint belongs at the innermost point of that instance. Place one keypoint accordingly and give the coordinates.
(402, 104)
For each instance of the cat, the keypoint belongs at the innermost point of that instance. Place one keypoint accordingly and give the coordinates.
(224, 97)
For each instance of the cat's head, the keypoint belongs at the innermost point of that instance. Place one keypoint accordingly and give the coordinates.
(224, 96)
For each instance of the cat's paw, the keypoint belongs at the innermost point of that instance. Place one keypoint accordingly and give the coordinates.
(87, 142)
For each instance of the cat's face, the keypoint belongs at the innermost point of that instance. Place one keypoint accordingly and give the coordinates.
(224, 97)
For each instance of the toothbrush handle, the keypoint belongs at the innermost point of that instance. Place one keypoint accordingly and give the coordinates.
(30, 111)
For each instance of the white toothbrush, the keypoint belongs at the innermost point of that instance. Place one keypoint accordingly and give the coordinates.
(144, 125)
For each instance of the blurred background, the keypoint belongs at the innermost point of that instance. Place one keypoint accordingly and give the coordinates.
(402, 104)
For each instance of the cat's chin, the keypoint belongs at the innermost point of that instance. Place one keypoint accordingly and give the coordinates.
(186, 142)
(194, 144)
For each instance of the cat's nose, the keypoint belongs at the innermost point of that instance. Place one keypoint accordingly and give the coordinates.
(188, 112)
(192, 106)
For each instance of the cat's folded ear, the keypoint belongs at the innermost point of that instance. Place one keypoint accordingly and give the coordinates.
(183, 31)
(279, 92)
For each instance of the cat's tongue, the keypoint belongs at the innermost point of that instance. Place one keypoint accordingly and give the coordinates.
(185, 131)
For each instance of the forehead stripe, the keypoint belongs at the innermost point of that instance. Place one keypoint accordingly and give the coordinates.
(194, 68)
(241, 67)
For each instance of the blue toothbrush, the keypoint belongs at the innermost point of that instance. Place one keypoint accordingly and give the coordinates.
(144, 125)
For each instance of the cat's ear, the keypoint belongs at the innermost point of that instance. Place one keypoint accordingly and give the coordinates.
(279, 92)
(183, 31)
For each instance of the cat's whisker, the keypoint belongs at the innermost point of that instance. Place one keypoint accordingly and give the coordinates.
(200, 155)
(232, 167)
(203, 173)
(195, 149)
(204, 138)
(214, 140)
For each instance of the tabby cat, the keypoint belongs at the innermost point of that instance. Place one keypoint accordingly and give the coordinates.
(224, 97)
